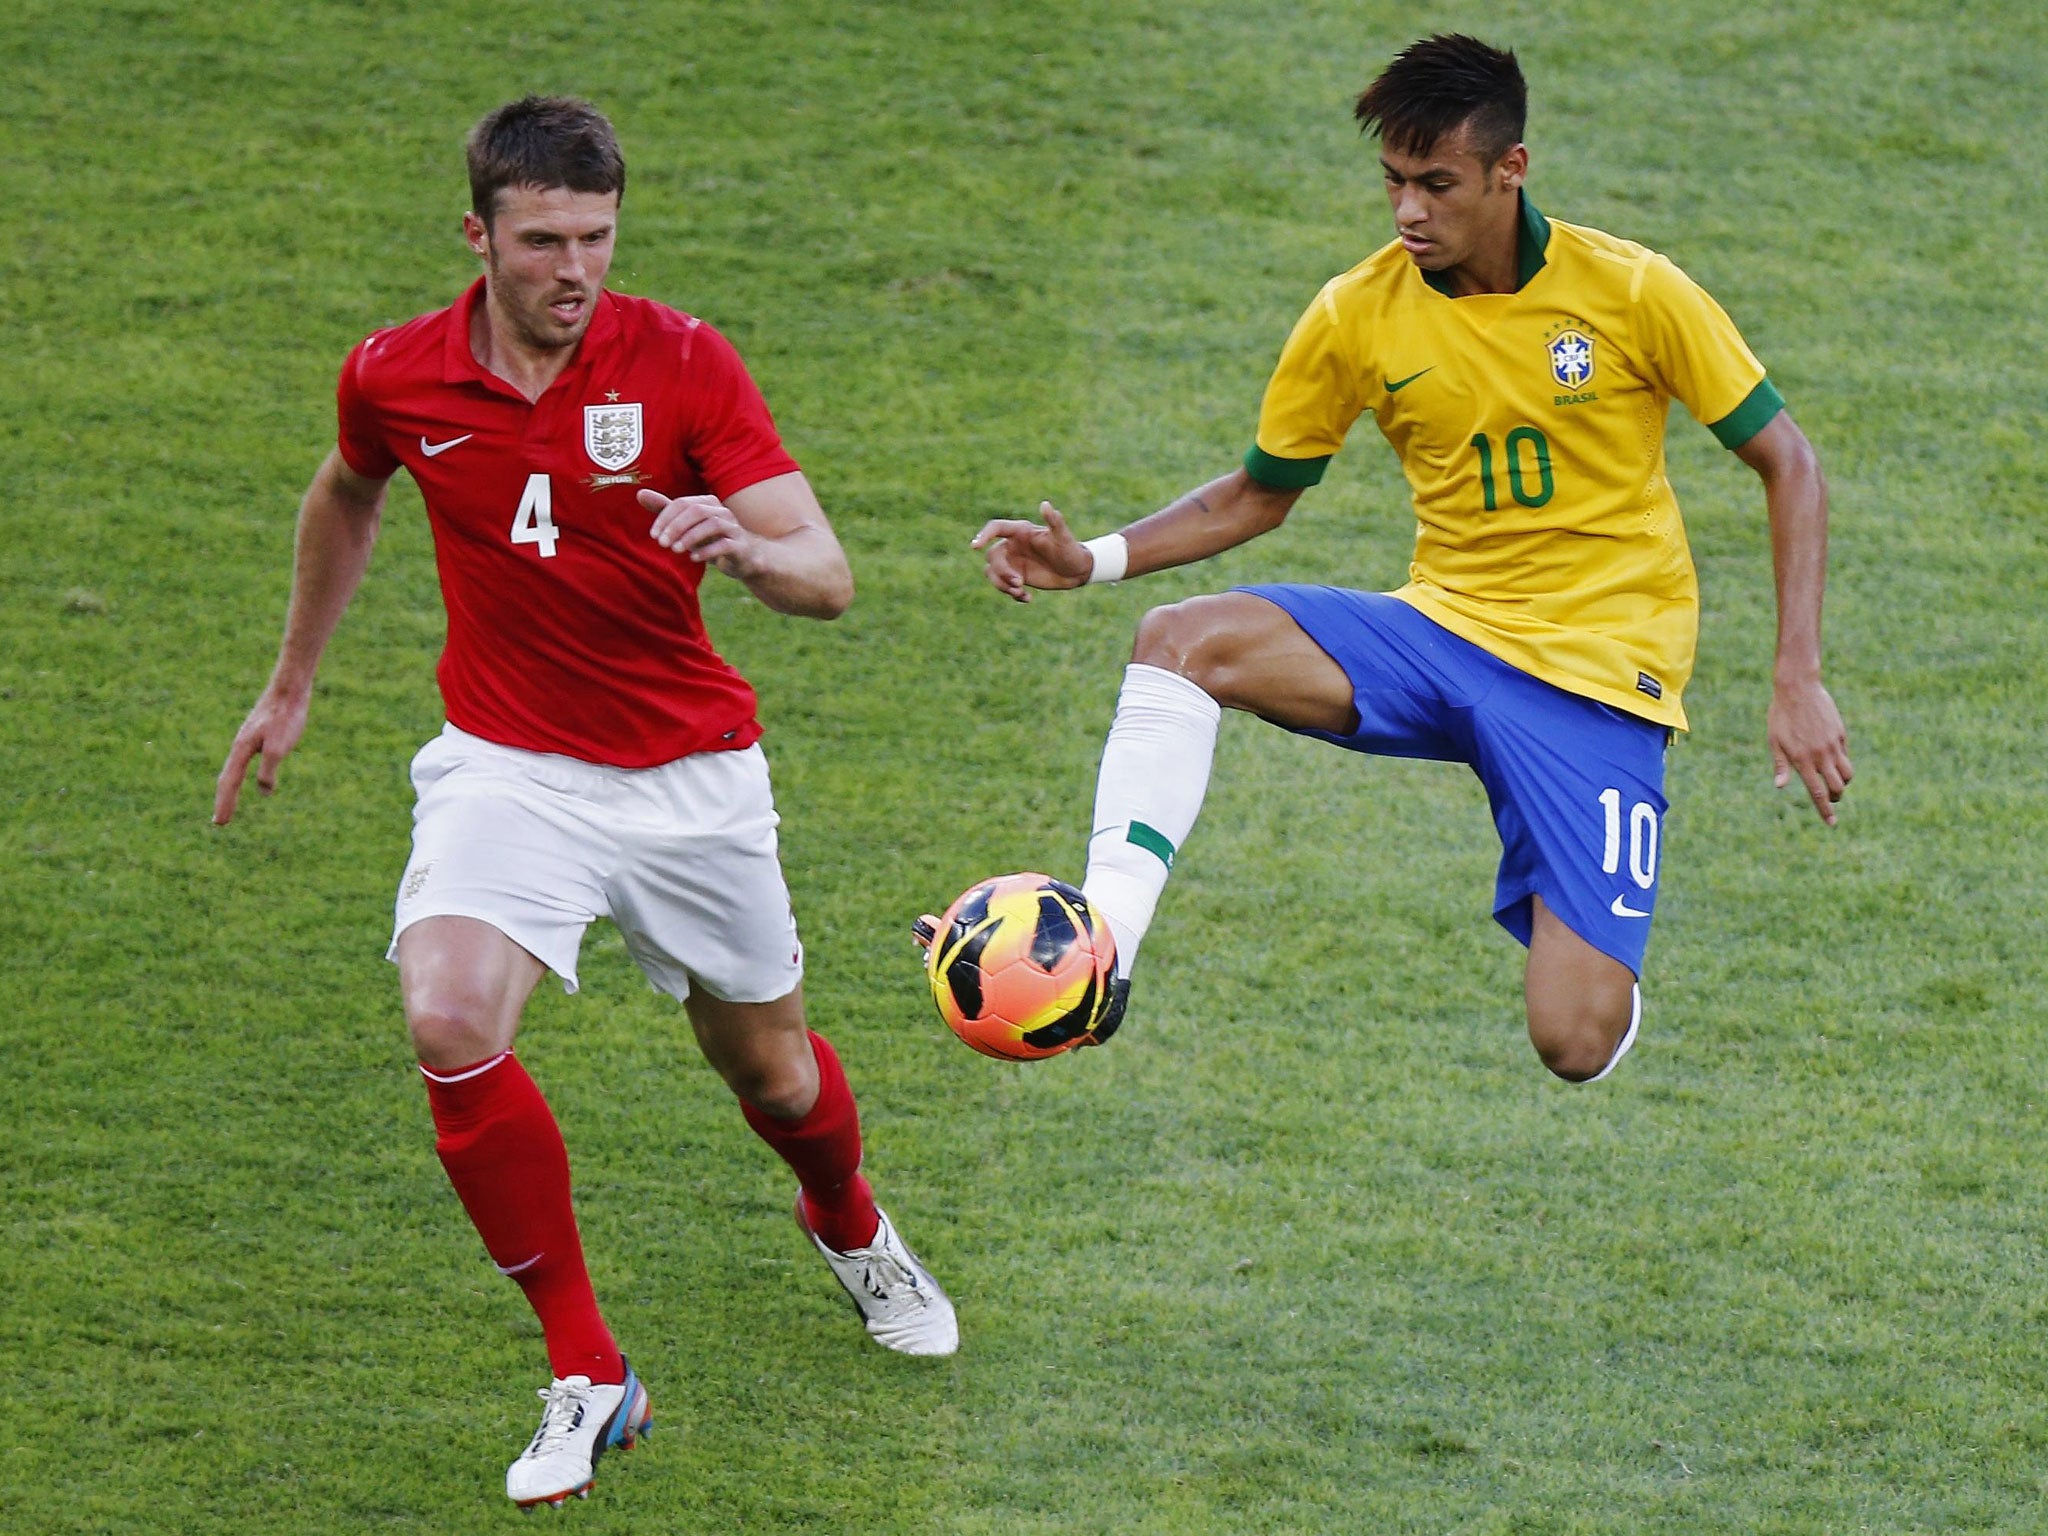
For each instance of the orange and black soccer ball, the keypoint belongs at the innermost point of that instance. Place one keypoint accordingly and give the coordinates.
(1021, 969)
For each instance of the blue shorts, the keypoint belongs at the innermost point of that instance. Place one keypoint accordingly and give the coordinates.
(1577, 787)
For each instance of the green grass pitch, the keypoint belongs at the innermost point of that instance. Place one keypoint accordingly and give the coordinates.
(1315, 1245)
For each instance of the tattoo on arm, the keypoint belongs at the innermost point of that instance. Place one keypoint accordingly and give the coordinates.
(1196, 498)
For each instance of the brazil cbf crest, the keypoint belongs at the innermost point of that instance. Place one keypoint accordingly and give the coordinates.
(1571, 358)
(611, 434)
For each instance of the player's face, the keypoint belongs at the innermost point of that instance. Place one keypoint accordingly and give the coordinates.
(1452, 203)
(546, 252)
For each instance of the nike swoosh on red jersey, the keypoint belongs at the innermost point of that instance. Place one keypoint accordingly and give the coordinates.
(430, 449)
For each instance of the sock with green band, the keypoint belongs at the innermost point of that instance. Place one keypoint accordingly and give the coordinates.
(1155, 770)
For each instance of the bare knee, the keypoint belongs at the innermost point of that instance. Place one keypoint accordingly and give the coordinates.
(1577, 1040)
(1581, 1000)
(777, 1085)
(762, 1050)
(445, 1037)
(765, 1059)
(464, 983)
(1192, 638)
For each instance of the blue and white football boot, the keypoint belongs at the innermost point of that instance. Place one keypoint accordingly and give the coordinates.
(580, 1423)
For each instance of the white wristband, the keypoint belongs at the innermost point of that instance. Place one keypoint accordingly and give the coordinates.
(1112, 554)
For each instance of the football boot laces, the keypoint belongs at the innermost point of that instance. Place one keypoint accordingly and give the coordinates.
(567, 1401)
(884, 1275)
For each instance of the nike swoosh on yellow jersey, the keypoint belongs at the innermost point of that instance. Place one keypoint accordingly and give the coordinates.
(1395, 386)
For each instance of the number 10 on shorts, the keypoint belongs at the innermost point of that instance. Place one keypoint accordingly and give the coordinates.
(1642, 839)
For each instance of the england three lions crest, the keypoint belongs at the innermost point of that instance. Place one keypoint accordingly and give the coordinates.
(1571, 358)
(611, 434)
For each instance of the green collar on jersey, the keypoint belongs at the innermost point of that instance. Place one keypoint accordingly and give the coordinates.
(1532, 239)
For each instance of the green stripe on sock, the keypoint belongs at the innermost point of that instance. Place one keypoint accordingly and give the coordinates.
(1152, 841)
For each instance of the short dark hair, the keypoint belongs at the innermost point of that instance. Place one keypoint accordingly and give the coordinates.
(542, 141)
(1441, 83)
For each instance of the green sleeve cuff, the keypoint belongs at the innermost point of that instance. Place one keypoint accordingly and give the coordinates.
(1750, 417)
(1285, 474)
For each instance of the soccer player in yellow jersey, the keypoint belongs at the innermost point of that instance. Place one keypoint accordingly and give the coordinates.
(1522, 369)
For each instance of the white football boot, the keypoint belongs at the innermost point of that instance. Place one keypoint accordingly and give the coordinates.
(580, 1423)
(896, 1296)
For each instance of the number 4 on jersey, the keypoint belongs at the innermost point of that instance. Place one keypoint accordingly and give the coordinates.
(535, 522)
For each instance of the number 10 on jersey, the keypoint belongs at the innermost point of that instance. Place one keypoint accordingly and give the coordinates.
(534, 523)
(1530, 481)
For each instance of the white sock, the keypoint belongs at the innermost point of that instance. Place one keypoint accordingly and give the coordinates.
(1155, 770)
(1635, 1017)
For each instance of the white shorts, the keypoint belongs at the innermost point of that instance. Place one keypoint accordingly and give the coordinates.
(680, 857)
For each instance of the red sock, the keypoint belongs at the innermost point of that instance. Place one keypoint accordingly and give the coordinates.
(504, 1155)
(824, 1149)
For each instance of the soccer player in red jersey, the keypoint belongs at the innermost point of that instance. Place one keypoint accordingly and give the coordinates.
(584, 456)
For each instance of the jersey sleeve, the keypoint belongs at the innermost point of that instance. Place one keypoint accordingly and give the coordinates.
(732, 441)
(360, 437)
(1697, 356)
(1311, 401)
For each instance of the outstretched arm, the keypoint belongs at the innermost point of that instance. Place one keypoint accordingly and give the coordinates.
(772, 536)
(1208, 520)
(338, 523)
(1804, 727)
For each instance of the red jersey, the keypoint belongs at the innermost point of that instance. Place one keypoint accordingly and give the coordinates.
(569, 629)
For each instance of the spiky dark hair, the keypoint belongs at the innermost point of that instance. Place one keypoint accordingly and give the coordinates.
(1435, 86)
(542, 141)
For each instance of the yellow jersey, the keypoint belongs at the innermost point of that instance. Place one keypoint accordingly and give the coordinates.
(1530, 426)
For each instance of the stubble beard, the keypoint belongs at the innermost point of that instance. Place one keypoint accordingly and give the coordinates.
(528, 314)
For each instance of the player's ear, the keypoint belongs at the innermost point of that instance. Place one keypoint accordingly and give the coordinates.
(475, 234)
(1513, 168)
